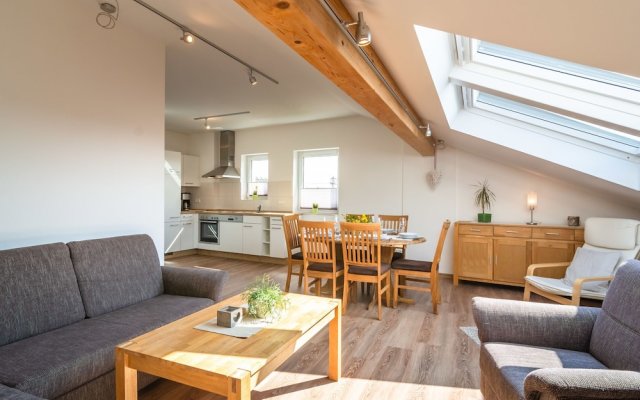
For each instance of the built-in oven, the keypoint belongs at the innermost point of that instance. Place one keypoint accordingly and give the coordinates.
(209, 228)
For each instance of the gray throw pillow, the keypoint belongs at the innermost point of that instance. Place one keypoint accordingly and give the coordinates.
(589, 263)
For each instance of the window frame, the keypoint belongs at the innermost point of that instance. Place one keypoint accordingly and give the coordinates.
(300, 155)
(247, 191)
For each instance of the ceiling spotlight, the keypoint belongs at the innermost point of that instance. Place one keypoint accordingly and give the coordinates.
(427, 130)
(252, 79)
(363, 34)
(187, 37)
(206, 124)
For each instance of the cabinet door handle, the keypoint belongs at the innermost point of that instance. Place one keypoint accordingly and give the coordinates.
(174, 225)
(511, 231)
(474, 230)
(275, 228)
(187, 223)
(247, 226)
(552, 233)
(188, 183)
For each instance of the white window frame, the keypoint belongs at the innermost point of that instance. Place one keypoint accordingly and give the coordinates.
(247, 191)
(300, 155)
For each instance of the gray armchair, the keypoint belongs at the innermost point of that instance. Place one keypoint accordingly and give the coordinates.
(545, 351)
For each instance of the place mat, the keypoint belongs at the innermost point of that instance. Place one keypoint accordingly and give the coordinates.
(248, 327)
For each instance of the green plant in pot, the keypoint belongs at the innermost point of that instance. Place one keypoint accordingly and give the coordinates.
(483, 198)
(265, 299)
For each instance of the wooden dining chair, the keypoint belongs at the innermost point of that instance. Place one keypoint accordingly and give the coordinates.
(319, 255)
(405, 271)
(362, 263)
(294, 252)
(397, 223)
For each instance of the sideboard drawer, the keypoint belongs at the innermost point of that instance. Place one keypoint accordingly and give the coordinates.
(477, 230)
(512, 231)
(553, 233)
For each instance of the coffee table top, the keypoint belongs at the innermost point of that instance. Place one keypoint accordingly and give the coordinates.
(180, 343)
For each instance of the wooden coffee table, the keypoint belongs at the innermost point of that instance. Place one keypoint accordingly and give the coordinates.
(223, 364)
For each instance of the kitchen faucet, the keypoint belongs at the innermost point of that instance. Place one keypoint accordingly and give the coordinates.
(259, 207)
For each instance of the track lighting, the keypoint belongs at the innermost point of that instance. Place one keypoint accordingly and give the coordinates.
(363, 34)
(209, 126)
(252, 79)
(427, 130)
(187, 37)
(206, 124)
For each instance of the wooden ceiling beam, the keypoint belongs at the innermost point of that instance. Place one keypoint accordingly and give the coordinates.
(306, 27)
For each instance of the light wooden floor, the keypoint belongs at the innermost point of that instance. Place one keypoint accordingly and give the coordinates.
(410, 354)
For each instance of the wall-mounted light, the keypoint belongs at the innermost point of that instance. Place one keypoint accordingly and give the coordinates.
(532, 202)
(187, 37)
(252, 79)
(363, 34)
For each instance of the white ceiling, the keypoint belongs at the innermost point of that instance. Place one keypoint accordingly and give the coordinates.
(202, 81)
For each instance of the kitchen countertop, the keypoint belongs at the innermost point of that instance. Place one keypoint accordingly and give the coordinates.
(237, 212)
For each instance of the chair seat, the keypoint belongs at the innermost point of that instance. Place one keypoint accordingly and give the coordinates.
(368, 271)
(397, 255)
(325, 267)
(412, 265)
(557, 286)
(297, 256)
(507, 365)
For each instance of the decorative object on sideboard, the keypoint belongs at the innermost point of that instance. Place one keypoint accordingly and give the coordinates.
(573, 221)
(229, 316)
(532, 202)
(483, 198)
(265, 299)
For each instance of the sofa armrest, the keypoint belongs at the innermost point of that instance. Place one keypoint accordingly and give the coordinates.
(534, 324)
(7, 393)
(578, 384)
(194, 281)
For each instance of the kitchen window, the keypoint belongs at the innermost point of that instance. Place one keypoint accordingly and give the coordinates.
(317, 179)
(256, 175)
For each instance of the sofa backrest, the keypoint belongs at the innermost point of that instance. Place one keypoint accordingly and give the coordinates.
(615, 340)
(116, 272)
(38, 291)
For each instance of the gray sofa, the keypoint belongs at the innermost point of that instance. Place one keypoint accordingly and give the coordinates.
(545, 351)
(64, 307)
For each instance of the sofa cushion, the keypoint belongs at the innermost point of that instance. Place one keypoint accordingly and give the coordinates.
(615, 339)
(505, 366)
(38, 291)
(116, 272)
(56, 362)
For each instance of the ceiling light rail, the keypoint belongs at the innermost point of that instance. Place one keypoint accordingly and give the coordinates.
(186, 31)
(354, 41)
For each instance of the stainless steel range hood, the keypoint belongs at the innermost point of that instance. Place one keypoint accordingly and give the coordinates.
(226, 159)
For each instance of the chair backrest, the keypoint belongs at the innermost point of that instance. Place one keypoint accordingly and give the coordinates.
(361, 244)
(614, 234)
(397, 223)
(615, 339)
(318, 242)
(291, 232)
(443, 236)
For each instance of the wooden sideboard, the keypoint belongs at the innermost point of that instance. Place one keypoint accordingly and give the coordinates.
(501, 253)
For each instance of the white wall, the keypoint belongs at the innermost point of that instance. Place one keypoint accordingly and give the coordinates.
(380, 174)
(81, 126)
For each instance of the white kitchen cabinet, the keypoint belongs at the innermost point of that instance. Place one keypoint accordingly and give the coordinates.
(190, 170)
(252, 235)
(187, 236)
(231, 237)
(277, 245)
(172, 161)
(172, 176)
(172, 233)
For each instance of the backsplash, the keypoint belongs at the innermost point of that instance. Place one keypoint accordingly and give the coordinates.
(225, 194)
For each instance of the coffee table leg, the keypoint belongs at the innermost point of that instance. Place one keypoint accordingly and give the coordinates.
(126, 378)
(335, 345)
(239, 385)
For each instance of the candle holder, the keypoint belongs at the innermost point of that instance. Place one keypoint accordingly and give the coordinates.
(532, 202)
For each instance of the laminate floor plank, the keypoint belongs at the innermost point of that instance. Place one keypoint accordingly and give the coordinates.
(410, 354)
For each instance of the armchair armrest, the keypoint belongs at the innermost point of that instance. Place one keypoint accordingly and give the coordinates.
(534, 324)
(587, 384)
(194, 281)
(8, 393)
(548, 270)
(577, 284)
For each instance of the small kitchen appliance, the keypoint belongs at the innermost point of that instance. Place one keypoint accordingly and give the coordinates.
(186, 201)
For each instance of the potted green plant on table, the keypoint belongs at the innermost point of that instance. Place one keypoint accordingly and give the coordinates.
(254, 195)
(265, 299)
(314, 208)
(483, 198)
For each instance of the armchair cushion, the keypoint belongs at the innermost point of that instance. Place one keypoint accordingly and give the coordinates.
(194, 281)
(534, 324)
(559, 287)
(560, 383)
(506, 366)
(589, 263)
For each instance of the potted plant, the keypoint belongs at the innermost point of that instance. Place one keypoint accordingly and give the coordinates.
(484, 197)
(254, 196)
(314, 208)
(265, 299)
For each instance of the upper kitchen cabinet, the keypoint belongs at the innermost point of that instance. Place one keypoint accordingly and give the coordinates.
(190, 170)
(173, 163)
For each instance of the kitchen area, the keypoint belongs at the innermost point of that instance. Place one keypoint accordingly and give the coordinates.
(189, 228)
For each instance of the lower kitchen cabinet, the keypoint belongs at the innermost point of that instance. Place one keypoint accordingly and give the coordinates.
(252, 234)
(501, 253)
(172, 233)
(277, 244)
